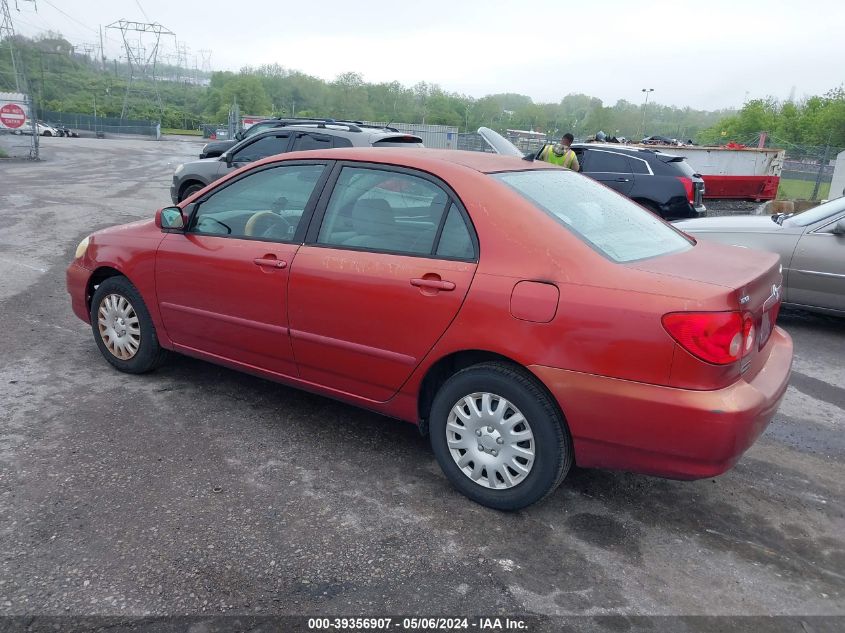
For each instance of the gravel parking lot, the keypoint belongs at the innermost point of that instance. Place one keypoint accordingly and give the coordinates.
(197, 489)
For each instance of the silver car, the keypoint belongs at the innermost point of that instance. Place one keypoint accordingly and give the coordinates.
(195, 175)
(811, 246)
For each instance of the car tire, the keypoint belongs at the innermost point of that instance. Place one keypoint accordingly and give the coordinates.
(505, 443)
(190, 190)
(47, 133)
(123, 328)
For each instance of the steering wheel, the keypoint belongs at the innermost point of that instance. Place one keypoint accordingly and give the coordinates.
(250, 229)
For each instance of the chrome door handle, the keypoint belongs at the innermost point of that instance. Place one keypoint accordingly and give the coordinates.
(268, 262)
(436, 284)
(622, 180)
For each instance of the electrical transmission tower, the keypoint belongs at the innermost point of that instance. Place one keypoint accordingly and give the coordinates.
(182, 61)
(206, 60)
(142, 65)
(7, 32)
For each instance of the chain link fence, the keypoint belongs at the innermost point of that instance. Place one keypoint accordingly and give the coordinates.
(807, 172)
(102, 126)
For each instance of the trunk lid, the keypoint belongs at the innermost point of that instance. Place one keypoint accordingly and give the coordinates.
(751, 281)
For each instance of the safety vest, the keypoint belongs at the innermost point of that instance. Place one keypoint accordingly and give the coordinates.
(564, 161)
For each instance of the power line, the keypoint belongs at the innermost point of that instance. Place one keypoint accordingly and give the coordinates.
(70, 17)
(142, 10)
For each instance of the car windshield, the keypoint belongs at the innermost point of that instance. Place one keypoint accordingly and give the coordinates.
(613, 225)
(816, 214)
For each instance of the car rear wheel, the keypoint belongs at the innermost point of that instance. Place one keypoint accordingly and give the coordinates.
(47, 133)
(499, 437)
(190, 190)
(123, 329)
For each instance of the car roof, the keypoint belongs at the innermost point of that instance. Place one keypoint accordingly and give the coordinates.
(615, 147)
(419, 158)
(366, 133)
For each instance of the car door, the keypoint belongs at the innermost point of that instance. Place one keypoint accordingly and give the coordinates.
(388, 260)
(609, 168)
(817, 270)
(261, 147)
(222, 283)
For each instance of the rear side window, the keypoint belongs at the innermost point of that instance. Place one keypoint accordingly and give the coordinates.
(608, 162)
(638, 166)
(387, 211)
(455, 240)
(311, 141)
(609, 222)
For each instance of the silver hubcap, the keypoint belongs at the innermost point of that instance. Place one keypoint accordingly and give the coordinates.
(119, 326)
(490, 440)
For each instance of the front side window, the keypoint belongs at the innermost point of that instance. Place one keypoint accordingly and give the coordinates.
(613, 225)
(267, 204)
(383, 210)
(262, 148)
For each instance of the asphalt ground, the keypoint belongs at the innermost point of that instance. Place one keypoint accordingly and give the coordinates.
(198, 490)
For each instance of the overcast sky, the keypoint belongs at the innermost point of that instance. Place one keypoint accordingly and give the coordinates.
(706, 54)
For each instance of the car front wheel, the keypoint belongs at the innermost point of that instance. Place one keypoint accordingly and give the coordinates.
(190, 190)
(499, 437)
(123, 329)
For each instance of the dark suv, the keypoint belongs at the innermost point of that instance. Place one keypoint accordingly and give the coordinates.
(195, 175)
(213, 149)
(664, 183)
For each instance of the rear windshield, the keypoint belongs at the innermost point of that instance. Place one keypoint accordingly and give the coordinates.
(613, 225)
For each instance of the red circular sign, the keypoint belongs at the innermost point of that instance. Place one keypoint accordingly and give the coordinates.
(12, 115)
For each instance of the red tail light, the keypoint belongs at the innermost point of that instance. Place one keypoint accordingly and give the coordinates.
(688, 187)
(720, 338)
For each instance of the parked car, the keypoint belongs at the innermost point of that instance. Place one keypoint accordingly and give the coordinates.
(523, 315)
(663, 183)
(222, 144)
(659, 140)
(193, 176)
(43, 129)
(63, 130)
(811, 247)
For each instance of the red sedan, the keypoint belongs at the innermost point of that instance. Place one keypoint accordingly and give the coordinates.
(524, 316)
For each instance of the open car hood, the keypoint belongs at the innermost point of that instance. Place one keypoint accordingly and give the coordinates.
(499, 143)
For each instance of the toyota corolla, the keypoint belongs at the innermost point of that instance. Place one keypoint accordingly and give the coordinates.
(524, 316)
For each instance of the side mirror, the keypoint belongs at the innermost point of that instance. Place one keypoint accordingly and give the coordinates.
(227, 158)
(839, 227)
(170, 218)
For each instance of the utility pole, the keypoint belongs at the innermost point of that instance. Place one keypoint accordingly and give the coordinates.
(102, 50)
(821, 168)
(647, 91)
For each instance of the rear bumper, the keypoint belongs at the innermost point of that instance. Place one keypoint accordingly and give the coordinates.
(77, 287)
(657, 430)
(680, 208)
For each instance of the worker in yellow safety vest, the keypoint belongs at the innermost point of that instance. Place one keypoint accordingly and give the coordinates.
(561, 153)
